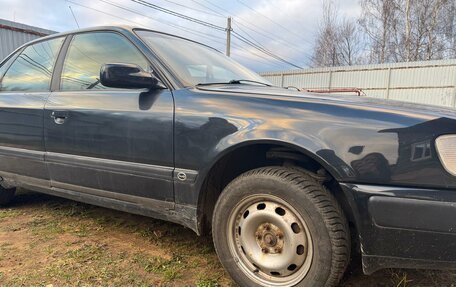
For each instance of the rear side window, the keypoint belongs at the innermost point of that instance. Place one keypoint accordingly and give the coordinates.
(89, 51)
(32, 69)
(4, 66)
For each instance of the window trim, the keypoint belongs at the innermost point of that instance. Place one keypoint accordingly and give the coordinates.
(21, 49)
(13, 56)
(56, 83)
(57, 72)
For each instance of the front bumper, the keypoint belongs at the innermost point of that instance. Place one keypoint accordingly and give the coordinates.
(404, 227)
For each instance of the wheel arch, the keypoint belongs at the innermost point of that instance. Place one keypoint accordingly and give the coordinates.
(248, 155)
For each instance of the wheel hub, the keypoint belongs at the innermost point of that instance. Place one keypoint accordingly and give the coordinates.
(269, 238)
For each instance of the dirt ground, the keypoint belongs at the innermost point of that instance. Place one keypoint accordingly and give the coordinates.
(47, 241)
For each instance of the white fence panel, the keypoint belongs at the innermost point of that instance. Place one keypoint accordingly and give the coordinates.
(427, 82)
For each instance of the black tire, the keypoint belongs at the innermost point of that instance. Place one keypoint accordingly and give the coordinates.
(6, 195)
(323, 215)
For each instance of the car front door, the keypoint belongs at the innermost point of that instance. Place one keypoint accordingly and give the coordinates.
(25, 80)
(107, 142)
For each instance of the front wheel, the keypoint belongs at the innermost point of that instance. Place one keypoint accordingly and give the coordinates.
(277, 226)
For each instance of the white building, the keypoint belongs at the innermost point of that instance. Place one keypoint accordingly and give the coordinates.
(13, 35)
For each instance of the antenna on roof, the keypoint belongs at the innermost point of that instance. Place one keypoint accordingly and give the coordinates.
(74, 17)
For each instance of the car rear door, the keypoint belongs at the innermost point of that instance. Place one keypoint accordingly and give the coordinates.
(25, 80)
(107, 142)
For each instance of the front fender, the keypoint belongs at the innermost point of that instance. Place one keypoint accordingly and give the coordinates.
(355, 142)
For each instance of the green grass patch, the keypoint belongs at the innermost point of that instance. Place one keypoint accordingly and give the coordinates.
(8, 213)
(170, 269)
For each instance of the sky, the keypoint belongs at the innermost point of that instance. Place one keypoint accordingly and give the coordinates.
(287, 28)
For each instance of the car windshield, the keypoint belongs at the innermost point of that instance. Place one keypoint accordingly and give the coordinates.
(198, 64)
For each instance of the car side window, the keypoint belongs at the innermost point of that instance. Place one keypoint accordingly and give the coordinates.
(32, 70)
(89, 51)
(5, 64)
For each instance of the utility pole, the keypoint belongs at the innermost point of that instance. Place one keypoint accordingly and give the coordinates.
(228, 37)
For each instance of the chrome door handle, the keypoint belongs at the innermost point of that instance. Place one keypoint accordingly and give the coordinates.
(59, 117)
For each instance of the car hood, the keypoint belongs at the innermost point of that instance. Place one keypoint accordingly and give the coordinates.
(281, 93)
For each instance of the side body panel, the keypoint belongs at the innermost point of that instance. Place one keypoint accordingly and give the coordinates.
(116, 141)
(24, 88)
(21, 134)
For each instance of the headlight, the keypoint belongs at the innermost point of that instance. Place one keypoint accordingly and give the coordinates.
(446, 149)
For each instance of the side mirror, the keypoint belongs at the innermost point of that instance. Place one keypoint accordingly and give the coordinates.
(127, 76)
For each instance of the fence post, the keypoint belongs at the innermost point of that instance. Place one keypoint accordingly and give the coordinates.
(454, 94)
(282, 80)
(330, 79)
(388, 83)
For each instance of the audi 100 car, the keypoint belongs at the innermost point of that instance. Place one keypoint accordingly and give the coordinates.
(289, 183)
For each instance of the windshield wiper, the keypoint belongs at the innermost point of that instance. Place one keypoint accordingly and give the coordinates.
(93, 85)
(234, 82)
(248, 81)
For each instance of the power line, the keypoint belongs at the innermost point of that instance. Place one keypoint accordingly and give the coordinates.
(257, 46)
(106, 13)
(253, 39)
(308, 57)
(258, 59)
(269, 35)
(194, 9)
(272, 21)
(234, 44)
(176, 14)
(261, 49)
(74, 17)
(243, 39)
(257, 29)
(192, 31)
(209, 8)
(275, 39)
(201, 34)
(197, 33)
(268, 59)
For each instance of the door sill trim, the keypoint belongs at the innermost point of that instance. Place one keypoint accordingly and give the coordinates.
(141, 201)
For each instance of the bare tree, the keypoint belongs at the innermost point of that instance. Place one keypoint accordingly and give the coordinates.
(349, 43)
(379, 19)
(450, 31)
(325, 50)
(409, 30)
(392, 30)
(338, 42)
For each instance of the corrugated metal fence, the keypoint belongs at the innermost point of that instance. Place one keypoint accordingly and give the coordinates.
(13, 35)
(427, 82)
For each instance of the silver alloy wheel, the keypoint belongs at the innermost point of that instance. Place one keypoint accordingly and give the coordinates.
(270, 241)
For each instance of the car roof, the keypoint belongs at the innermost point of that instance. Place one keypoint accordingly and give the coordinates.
(117, 28)
(91, 29)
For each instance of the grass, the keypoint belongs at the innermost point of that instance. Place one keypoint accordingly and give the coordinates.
(7, 213)
(170, 269)
(207, 283)
(45, 240)
(65, 243)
